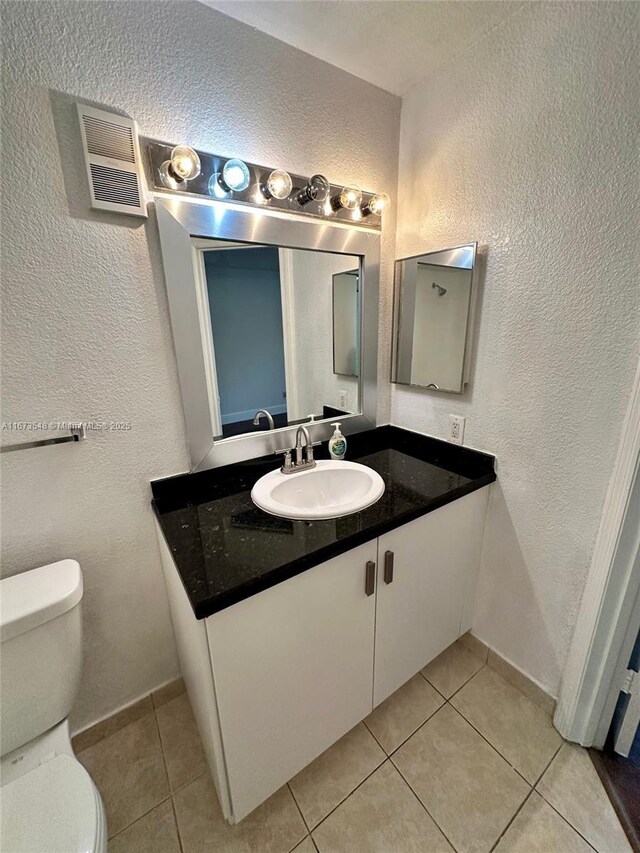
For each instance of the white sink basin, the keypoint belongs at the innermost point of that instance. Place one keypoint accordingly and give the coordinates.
(330, 490)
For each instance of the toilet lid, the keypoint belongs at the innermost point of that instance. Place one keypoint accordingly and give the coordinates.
(51, 809)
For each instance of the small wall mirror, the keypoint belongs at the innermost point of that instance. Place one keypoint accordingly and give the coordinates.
(346, 323)
(433, 308)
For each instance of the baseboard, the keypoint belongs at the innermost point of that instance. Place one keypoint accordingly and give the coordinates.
(128, 714)
(511, 673)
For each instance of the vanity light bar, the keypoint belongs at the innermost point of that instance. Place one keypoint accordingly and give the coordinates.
(184, 170)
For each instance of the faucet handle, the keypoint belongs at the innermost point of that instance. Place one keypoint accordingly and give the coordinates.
(287, 465)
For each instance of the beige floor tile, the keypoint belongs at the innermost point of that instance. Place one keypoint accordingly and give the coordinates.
(572, 786)
(156, 832)
(517, 728)
(180, 742)
(468, 789)
(383, 815)
(539, 829)
(128, 769)
(403, 712)
(322, 785)
(307, 846)
(274, 827)
(451, 669)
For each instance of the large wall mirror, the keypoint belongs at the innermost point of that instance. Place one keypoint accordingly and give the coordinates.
(274, 324)
(270, 309)
(433, 312)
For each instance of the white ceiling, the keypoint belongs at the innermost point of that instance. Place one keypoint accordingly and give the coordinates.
(390, 43)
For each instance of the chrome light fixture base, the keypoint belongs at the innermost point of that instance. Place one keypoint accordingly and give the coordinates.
(303, 196)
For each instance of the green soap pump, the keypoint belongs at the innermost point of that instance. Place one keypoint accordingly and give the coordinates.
(337, 444)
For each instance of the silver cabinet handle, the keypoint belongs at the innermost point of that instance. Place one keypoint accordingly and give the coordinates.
(388, 566)
(370, 578)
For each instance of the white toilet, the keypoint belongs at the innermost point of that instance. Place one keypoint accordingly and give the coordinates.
(49, 803)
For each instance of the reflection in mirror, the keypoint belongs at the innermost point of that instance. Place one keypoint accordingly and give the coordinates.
(271, 359)
(433, 302)
(346, 322)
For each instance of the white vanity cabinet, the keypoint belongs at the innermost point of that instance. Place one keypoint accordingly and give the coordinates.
(427, 572)
(279, 677)
(293, 672)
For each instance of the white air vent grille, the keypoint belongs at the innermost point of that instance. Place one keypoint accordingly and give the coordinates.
(115, 185)
(108, 139)
(112, 157)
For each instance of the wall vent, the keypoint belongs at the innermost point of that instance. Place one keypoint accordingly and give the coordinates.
(112, 156)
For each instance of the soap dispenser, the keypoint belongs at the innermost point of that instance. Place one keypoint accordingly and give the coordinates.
(337, 444)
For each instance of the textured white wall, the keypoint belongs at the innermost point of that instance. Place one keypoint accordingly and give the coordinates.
(85, 321)
(527, 142)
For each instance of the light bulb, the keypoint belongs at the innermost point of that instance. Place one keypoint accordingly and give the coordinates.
(278, 185)
(183, 166)
(216, 187)
(235, 176)
(376, 205)
(185, 162)
(317, 189)
(349, 198)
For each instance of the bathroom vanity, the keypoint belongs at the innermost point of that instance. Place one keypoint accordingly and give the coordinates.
(289, 632)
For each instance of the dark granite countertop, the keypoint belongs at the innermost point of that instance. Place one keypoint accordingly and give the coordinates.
(226, 549)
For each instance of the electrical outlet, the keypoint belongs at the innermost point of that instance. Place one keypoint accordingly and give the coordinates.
(456, 428)
(343, 399)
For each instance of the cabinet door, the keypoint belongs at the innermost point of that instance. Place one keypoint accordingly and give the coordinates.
(293, 672)
(423, 608)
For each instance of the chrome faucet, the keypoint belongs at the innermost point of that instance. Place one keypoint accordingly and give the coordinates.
(304, 453)
(302, 462)
(267, 415)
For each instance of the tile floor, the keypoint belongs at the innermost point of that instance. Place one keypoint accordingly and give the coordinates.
(456, 760)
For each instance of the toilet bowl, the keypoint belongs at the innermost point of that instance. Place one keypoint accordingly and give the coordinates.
(48, 801)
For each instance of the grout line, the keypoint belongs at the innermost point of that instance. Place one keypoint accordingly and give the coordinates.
(344, 799)
(170, 786)
(296, 844)
(195, 779)
(495, 748)
(439, 692)
(559, 813)
(529, 795)
(548, 764)
(513, 817)
(166, 773)
(164, 757)
(477, 672)
(531, 788)
(566, 820)
(298, 807)
(408, 737)
(407, 783)
(375, 738)
(175, 820)
(144, 814)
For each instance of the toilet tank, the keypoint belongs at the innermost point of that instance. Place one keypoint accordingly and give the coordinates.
(40, 650)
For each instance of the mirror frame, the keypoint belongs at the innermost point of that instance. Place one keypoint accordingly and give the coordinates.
(181, 220)
(397, 294)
